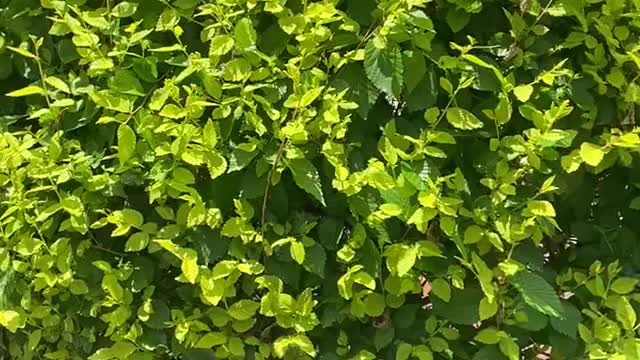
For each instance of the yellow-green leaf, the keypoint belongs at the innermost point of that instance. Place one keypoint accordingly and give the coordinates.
(591, 154)
(12, 320)
(190, 267)
(58, 84)
(523, 92)
(126, 143)
(487, 309)
(26, 91)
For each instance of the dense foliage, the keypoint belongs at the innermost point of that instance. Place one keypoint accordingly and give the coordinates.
(247, 179)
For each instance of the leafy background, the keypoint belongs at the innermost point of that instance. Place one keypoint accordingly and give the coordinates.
(252, 179)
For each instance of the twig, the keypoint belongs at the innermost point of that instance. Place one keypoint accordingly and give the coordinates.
(98, 247)
(265, 198)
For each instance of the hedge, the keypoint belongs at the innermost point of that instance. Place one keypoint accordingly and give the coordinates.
(333, 179)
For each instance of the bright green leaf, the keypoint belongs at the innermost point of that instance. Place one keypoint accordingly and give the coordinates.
(126, 143)
(591, 154)
(463, 119)
(523, 92)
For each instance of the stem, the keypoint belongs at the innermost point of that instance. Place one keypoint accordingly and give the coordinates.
(112, 252)
(44, 83)
(453, 96)
(542, 13)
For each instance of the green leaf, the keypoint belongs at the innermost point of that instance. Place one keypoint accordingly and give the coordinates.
(125, 82)
(485, 276)
(531, 319)
(137, 242)
(297, 252)
(221, 45)
(26, 91)
(170, 48)
(119, 350)
(463, 119)
(100, 65)
(211, 339)
(441, 289)
(374, 304)
(309, 97)
(415, 61)
(189, 267)
(503, 110)
(34, 339)
(292, 24)
(391, 209)
(211, 85)
(172, 111)
(567, 324)
(422, 352)
(22, 52)
(167, 20)
(78, 287)
(131, 217)
(307, 178)
(58, 84)
(316, 259)
(462, 308)
(473, 234)
(73, 205)
(126, 143)
(243, 309)
(489, 352)
(244, 34)
(216, 164)
(112, 101)
(124, 9)
(12, 320)
(404, 351)
(541, 208)
(624, 285)
(384, 67)
(438, 344)
(299, 341)
(523, 92)
(400, 258)
(237, 70)
(591, 154)
(488, 336)
(112, 287)
(431, 115)
(537, 293)
(510, 348)
(625, 313)
(487, 309)
(457, 19)
(383, 337)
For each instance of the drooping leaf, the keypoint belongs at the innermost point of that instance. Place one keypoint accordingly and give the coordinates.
(537, 293)
(463, 119)
(384, 68)
(306, 177)
(568, 321)
(126, 143)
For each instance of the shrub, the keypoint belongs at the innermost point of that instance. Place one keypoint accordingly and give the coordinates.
(355, 179)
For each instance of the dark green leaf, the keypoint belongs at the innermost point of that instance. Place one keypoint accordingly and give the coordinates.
(384, 68)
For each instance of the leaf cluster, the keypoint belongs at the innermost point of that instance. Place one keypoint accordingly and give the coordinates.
(332, 179)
